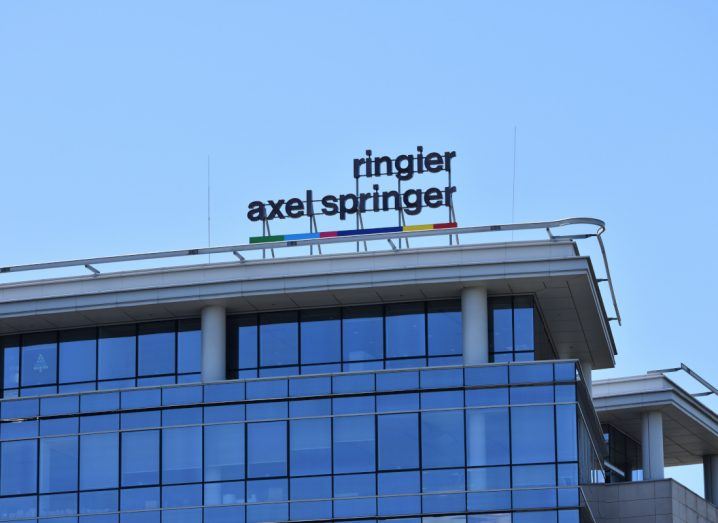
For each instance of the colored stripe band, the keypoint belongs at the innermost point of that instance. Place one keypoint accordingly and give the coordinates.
(350, 232)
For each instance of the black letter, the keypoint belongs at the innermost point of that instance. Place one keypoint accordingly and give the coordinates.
(358, 162)
(405, 172)
(256, 211)
(447, 159)
(420, 159)
(434, 162)
(377, 165)
(448, 193)
(330, 205)
(294, 208)
(276, 211)
(343, 208)
(413, 206)
(432, 198)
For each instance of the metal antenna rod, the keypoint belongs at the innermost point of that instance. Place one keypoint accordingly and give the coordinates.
(209, 229)
(513, 188)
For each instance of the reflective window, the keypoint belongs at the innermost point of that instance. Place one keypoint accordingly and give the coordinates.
(363, 333)
(354, 444)
(278, 339)
(189, 346)
(116, 352)
(78, 356)
(182, 455)
(39, 359)
(444, 328)
(140, 458)
(156, 348)
(442, 441)
(58, 464)
(310, 446)
(11, 361)
(18, 467)
(224, 452)
(398, 441)
(532, 434)
(405, 330)
(487, 436)
(267, 449)
(321, 336)
(99, 461)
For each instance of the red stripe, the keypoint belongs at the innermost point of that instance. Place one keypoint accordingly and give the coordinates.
(330, 234)
(450, 225)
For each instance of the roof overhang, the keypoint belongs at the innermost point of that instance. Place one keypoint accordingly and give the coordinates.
(690, 429)
(562, 281)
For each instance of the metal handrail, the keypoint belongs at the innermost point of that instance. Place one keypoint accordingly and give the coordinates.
(237, 250)
(693, 374)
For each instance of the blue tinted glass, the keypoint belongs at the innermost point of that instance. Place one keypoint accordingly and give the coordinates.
(20, 409)
(398, 441)
(224, 413)
(96, 502)
(228, 493)
(59, 405)
(244, 335)
(399, 483)
(397, 381)
(224, 452)
(443, 481)
(523, 323)
(489, 478)
(321, 336)
(525, 477)
(501, 323)
(223, 392)
(139, 399)
(311, 488)
(11, 370)
(487, 436)
(22, 507)
(363, 333)
(267, 410)
(182, 455)
(100, 402)
(181, 395)
(532, 434)
(442, 439)
(99, 461)
(24, 429)
(58, 464)
(278, 338)
(444, 326)
(566, 433)
(442, 378)
(39, 359)
(224, 514)
(271, 372)
(406, 363)
(536, 373)
(354, 444)
(116, 352)
(182, 496)
(486, 397)
(156, 348)
(189, 346)
(267, 490)
(310, 447)
(397, 402)
(99, 423)
(536, 394)
(353, 383)
(298, 409)
(440, 400)
(565, 371)
(405, 330)
(354, 486)
(565, 393)
(78, 355)
(138, 420)
(310, 386)
(58, 505)
(267, 449)
(116, 384)
(267, 389)
(324, 368)
(139, 498)
(353, 405)
(58, 426)
(18, 467)
(186, 416)
(38, 391)
(489, 375)
(140, 458)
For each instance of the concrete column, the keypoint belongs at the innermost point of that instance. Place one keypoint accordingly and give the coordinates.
(214, 343)
(475, 325)
(710, 477)
(586, 369)
(652, 445)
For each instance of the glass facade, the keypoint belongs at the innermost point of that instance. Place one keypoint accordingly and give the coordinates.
(110, 357)
(488, 442)
(624, 456)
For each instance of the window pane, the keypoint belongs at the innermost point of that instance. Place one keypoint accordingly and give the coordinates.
(310, 447)
(278, 338)
(501, 325)
(99, 459)
(140, 458)
(532, 434)
(321, 336)
(116, 352)
(78, 355)
(398, 441)
(11, 363)
(363, 333)
(189, 346)
(182, 455)
(18, 467)
(58, 464)
(224, 452)
(405, 330)
(523, 323)
(354, 444)
(267, 449)
(39, 359)
(442, 439)
(487, 436)
(244, 336)
(444, 319)
(156, 348)
(566, 432)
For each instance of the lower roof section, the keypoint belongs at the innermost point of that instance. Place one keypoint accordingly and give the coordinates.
(690, 429)
(562, 281)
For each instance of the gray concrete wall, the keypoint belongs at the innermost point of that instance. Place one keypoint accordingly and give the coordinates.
(661, 501)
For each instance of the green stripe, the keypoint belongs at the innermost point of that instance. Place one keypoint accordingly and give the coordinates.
(265, 239)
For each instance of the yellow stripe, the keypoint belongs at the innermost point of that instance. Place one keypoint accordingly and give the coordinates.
(408, 228)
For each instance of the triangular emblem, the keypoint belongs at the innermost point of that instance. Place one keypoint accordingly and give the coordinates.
(40, 364)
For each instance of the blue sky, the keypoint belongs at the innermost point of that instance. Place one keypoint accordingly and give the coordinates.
(109, 110)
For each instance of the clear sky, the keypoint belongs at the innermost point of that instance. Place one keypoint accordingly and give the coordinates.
(109, 110)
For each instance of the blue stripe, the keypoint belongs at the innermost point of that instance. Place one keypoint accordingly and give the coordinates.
(303, 236)
(377, 230)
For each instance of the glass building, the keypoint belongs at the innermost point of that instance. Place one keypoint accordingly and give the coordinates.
(311, 389)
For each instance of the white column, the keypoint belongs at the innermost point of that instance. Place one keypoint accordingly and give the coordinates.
(710, 477)
(652, 445)
(214, 343)
(475, 325)
(586, 369)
